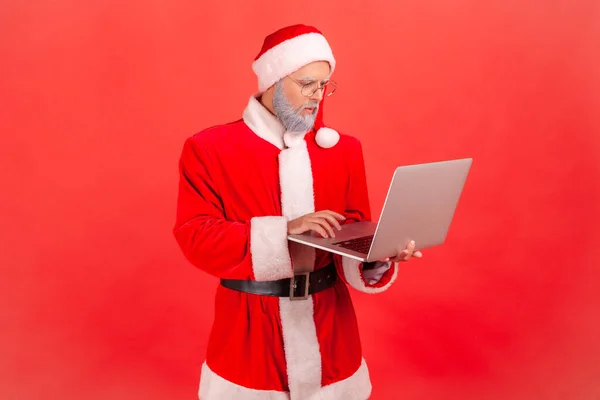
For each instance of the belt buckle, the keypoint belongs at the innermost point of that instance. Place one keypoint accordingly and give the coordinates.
(293, 285)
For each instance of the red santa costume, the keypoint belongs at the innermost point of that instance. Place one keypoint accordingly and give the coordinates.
(240, 185)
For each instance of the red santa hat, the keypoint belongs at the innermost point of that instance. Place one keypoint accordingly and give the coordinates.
(286, 51)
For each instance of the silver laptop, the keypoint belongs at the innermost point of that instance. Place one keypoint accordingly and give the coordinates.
(419, 206)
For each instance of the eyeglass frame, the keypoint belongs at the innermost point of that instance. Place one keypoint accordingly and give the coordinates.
(319, 87)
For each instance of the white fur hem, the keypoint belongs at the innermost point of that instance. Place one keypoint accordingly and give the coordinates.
(214, 387)
(269, 248)
(289, 56)
(355, 387)
(301, 345)
(355, 279)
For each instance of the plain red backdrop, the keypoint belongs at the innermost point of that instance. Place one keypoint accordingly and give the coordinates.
(97, 98)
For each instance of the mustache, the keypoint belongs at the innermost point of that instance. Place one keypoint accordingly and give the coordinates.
(312, 104)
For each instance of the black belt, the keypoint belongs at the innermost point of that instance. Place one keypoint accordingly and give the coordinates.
(298, 287)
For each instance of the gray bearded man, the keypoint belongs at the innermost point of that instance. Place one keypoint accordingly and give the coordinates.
(247, 185)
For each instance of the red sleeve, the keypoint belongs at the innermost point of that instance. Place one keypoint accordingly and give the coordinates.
(358, 209)
(255, 249)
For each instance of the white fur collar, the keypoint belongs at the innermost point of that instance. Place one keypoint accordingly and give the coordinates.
(263, 123)
(267, 126)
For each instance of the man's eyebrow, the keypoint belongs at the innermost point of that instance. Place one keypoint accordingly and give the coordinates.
(312, 79)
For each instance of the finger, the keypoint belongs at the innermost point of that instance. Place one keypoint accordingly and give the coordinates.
(315, 226)
(319, 229)
(399, 257)
(409, 250)
(328, 227)
(323, 222)
(332, 221)
(337, 216)
(417, 254)
(405, 255)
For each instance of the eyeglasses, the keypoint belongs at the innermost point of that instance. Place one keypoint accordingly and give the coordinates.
(309, 89)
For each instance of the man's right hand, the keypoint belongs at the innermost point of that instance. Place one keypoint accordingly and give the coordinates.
(321, 222)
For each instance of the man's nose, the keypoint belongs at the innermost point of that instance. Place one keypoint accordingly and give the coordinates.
(317, 95)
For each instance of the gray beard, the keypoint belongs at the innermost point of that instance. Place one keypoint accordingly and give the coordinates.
(291, 118)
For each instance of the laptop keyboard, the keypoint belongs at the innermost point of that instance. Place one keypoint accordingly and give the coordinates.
(360, 244)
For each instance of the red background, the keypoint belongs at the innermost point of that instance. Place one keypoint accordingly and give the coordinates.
(98, 96)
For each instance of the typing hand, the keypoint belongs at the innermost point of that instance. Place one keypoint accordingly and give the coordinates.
(322, 222)
(406, 254)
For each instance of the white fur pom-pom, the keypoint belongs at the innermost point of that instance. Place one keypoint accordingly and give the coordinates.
(327, 137)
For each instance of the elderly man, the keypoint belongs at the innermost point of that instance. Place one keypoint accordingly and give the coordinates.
(244, 188)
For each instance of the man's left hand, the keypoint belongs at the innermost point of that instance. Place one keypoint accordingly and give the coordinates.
(406, 254)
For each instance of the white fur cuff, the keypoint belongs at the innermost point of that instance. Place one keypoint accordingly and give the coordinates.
(269, 248)
(372, 276)
(355, 278)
